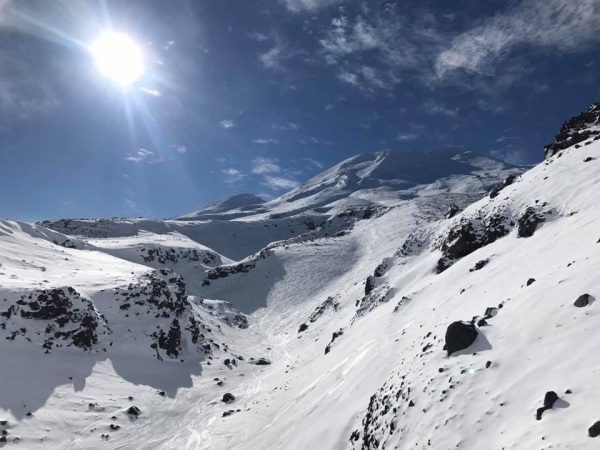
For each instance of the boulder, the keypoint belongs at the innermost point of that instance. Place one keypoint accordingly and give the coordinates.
(583, 300)
(228, 398)
(459, 336)
(594, 430)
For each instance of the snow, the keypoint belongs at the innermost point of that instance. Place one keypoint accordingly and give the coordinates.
(279, 270)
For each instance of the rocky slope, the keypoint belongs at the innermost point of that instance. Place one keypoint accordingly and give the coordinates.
(436, 300)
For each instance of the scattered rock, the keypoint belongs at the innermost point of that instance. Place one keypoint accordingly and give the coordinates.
(134, 411)
(302, 328)
(228, 398)
(583, 300)
(114, 427)
(528, 222)
(369, 284)
(262, 362)
(459, 336)
(549, 399)
(507, 182)
(588, 159)
(488, 364)
(594, 430)
(530, 281)
(479, 265)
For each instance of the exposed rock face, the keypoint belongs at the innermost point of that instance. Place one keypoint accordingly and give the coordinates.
(61, 317)
(452, 211)
(578, 129)
(468, 235)
(328, 305)
(459, 336)
(165, 255)
(528, 222)
(241, 267)
(507, 182)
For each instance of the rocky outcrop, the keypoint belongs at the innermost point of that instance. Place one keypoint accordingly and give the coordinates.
(470, 234)
(54, 318)
(528, 222)
(578, 129)
(507, 182)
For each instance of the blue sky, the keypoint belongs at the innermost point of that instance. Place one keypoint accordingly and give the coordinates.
(259, 95)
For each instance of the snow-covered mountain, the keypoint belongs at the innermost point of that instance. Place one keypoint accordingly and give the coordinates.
(439, 299)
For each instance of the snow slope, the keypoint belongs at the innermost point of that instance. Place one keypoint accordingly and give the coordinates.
(349, 301)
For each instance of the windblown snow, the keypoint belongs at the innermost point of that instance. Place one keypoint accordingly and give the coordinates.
(318, 320)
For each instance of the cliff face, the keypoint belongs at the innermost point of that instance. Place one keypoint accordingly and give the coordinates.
(579, 130)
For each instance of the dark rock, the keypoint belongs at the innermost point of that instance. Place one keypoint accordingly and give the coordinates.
(549, 399)
(451, 211)
(134, 411)
(479, 265)
(228, 413)
(507, 182)
(114, 427)
(328, 305)
(594, 430)
(3, 439)
(530, 281)
(262, 362)
(568, 391)
(302, 328)
(528, 222)
(228, 398)
(481, 323)
(459, 336)
(583, 300)
(162, 393)
(488, 364)
(369, 284)
(575, 130)
(539, 412)
(588, 159)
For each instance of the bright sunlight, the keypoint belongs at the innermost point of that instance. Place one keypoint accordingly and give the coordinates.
(118, 57)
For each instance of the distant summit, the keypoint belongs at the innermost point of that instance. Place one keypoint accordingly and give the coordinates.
(235, 205)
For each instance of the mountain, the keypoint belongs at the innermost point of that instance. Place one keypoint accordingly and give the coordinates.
(439, 300)
(229, 208)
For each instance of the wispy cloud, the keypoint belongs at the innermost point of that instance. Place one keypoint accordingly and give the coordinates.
(233, 175)
(436, 108)
(152, 92)
(316, 164)
(265, 141)
(309, 5)
(181, 149)
(144, 155)
(288, 126)
(227, 124)
(265, 165)
(407, 136)
(280, 182)
(560, 25)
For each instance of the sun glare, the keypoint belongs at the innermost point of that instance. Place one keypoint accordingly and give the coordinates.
(118, 57)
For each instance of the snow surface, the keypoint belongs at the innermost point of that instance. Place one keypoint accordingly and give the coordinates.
(385, 381)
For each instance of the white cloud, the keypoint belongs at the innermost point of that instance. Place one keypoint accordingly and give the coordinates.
(560, 25)
(407, 136)
(152, 92)
(309, 5)
(144, 155)
(315, 163)
(265, 141)
(227, 124)
(181, 149)
(259, 37)
(287, 126)
(265, 165)
(233, 175)
(280, 183)
(435, 108)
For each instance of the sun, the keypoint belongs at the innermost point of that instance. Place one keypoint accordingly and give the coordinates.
(118, 57)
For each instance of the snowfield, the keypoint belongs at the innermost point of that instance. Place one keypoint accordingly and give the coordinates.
(317, 320)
